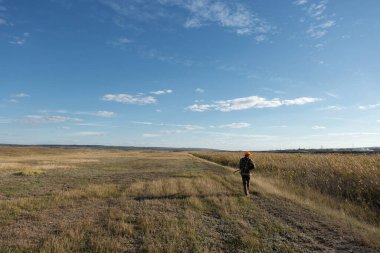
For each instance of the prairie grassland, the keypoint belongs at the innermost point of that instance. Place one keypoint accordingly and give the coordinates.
(129, 201)
(352, 179)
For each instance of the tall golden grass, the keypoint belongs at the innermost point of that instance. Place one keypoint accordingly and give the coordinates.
(350, 177)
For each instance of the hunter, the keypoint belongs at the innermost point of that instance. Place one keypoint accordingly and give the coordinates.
(245, 166)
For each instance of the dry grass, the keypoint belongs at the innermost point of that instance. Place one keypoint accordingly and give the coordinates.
(29, 172)
(118, 201)
(353, 179)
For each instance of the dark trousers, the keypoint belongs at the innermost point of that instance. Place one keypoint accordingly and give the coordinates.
(246, 179)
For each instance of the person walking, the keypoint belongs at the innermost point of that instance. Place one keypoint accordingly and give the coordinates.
(245, 166)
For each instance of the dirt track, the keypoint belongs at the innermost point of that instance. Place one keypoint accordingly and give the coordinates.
(315, 232)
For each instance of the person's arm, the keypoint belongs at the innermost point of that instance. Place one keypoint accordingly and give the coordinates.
(252, 165)
(238, 169)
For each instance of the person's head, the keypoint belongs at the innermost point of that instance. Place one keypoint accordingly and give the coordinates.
(247, 154)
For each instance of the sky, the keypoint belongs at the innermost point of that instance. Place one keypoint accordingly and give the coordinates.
(224, 74)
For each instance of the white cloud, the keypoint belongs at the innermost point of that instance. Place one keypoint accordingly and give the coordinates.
(104, 114)
(318, 127)
(15, 98)
(141, 10)
(317, 9)
(151, 135)
(223, 13)
(244, 31)
(300, 101)
(236, 125)
(250, 102)
(93, 125)
(243, 136)
(171, 129)
(173, 132)
(89, 133)
(38, 119)
(157, 55)
(191, 127)
(199, 108)
(199, 90)
(300, 2)
(185, 127)
(178, 129)
(332, 108)
(260, 38)
(319, 23)
(378, 121)
(139, 99)
(353, 134)
(4, 120)
(273, 90)
(192, 23)
(97, 113)
(161, 92)
(367, 107)
(121, 42)
(53, 111)
(327, 24)
(198, 13)
(333, 95)
(19, 40)
(319, 45)
(21, 95)
(319, 30)
(142, 122)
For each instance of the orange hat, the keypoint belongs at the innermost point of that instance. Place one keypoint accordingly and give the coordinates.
(247, 153)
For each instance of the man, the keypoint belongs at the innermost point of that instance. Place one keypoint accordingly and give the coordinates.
(245, 166)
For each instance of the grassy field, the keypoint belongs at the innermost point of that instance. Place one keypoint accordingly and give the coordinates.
(87, 200)
(351, 180)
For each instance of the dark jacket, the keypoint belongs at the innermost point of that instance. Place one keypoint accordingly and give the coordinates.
(246, 165)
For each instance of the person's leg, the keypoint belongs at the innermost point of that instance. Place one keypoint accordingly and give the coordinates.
(248, 179)
(244, 178)
(244, 184)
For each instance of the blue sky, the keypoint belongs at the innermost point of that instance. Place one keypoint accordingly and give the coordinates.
(257, 75)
